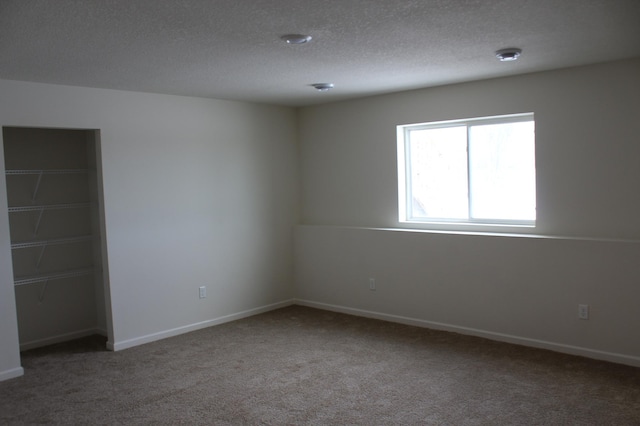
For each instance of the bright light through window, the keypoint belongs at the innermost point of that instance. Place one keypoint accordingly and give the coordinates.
(439, 173)
(503, 175)
(475, 171)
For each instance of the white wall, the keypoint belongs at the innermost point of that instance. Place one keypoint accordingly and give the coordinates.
(527, 289)
(587, 130)
(197, 192)
(10, 349)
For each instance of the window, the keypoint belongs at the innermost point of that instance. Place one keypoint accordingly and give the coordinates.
(474, 171)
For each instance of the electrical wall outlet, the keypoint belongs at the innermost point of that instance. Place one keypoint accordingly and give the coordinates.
(203, 292)
(372, 284)
(583, 312)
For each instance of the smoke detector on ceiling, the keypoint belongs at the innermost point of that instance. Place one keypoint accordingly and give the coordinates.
(296, 38)
(509, 54)
(323, 87)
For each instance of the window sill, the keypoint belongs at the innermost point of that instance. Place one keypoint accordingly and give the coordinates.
(469, 228)
(483, 233)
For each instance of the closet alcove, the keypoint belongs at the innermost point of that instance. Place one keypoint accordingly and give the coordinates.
(56, 225)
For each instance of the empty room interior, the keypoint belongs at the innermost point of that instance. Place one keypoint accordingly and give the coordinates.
(172, 167)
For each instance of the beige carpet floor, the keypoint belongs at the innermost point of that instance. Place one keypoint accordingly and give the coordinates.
(302, 366)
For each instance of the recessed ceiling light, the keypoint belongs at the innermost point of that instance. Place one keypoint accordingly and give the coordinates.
(323, 87)
(510, 54)
(296, 38)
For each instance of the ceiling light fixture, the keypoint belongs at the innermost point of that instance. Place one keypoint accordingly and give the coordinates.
(296, 38)
(510, 54)
(323, 87)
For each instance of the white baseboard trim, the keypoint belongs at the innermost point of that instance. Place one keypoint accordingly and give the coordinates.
(125, 344)
(525, 341)
(11, 374)
(59, 338)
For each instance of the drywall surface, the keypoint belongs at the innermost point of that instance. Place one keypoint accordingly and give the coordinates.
(97, 228)
(10, 348)
(197, 192)
(587, 155)
(523, 290)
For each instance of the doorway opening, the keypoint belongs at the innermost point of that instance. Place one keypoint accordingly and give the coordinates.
(56, 221)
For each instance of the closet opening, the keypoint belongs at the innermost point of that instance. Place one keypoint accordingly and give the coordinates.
(57, 228)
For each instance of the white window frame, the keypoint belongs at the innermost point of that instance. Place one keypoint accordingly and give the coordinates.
(404, 177)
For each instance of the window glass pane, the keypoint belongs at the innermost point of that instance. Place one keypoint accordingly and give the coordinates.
(502, 171)
(438, 164)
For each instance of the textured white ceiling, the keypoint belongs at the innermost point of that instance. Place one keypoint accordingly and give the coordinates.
(231, 49)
